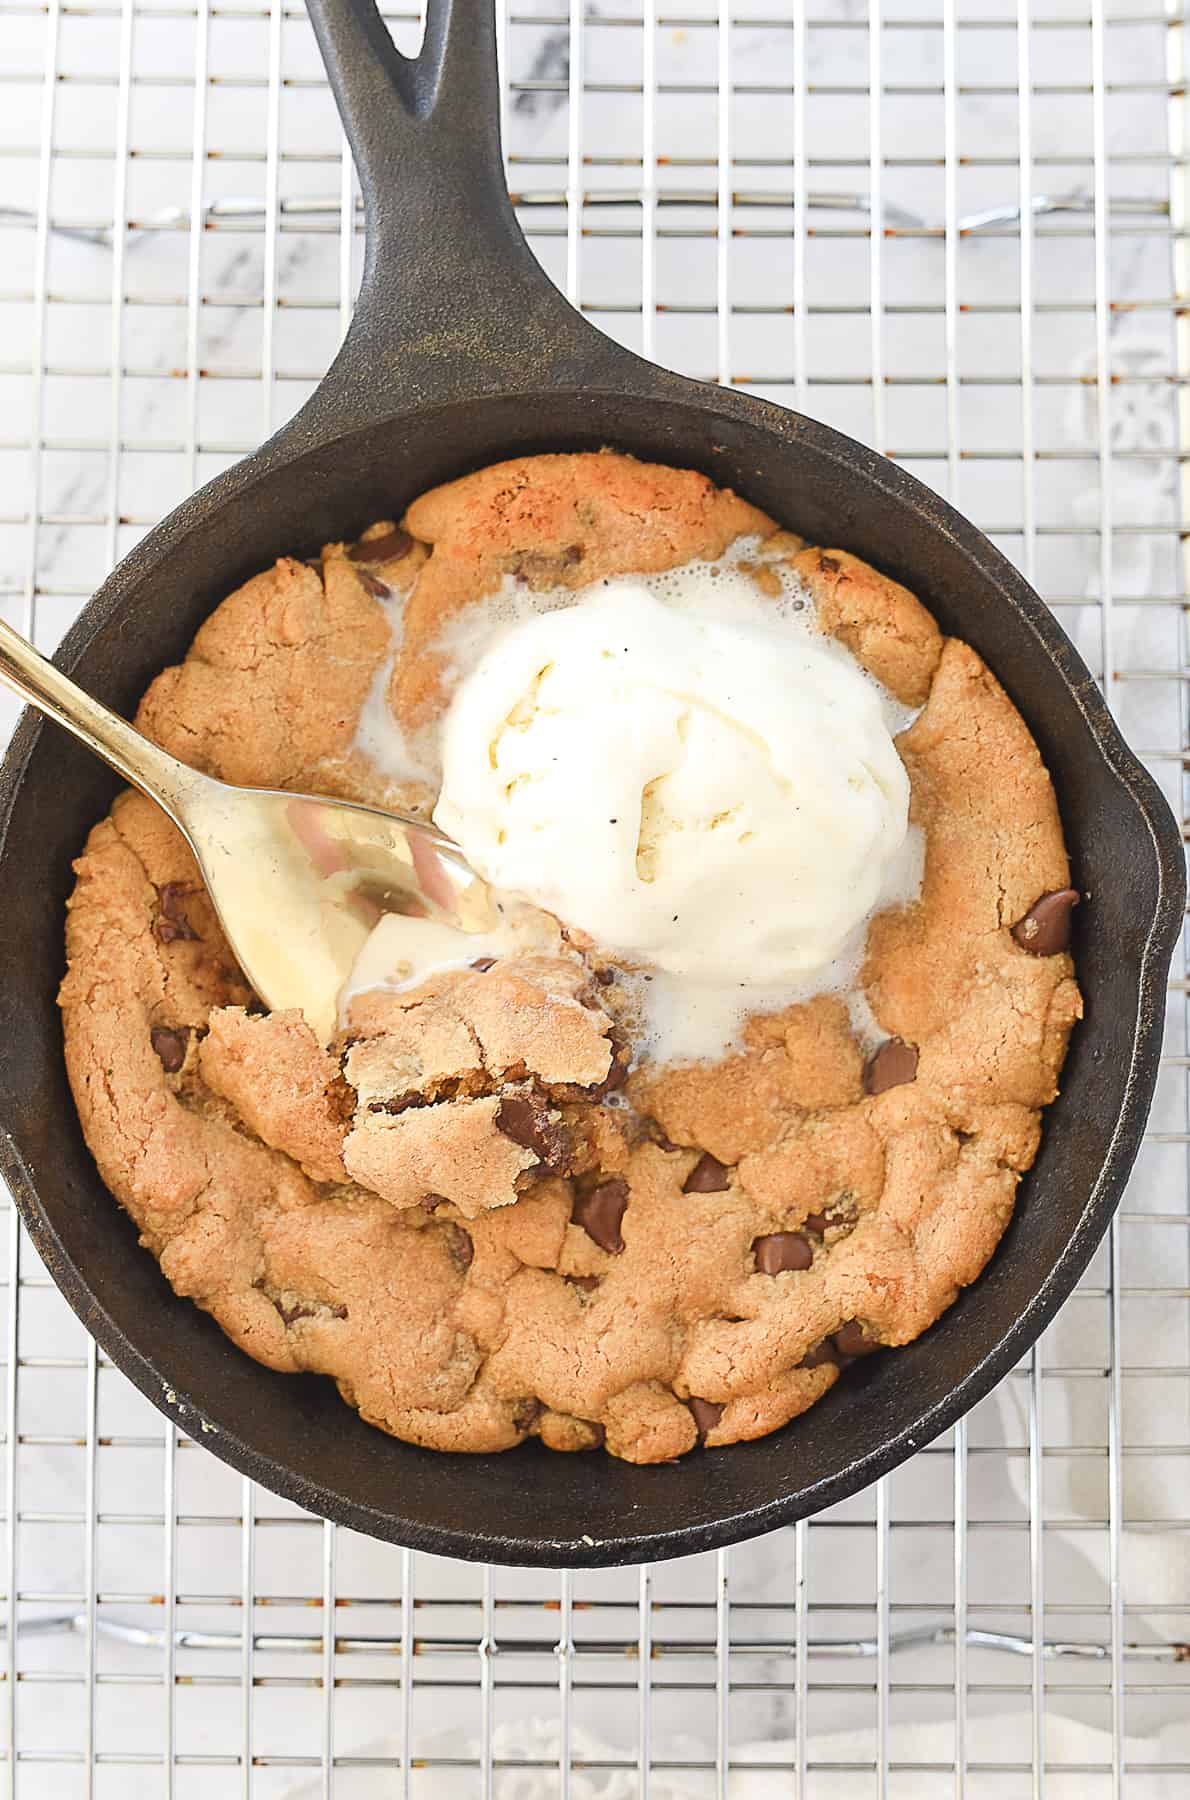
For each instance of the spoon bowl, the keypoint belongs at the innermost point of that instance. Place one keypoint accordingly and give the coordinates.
(299, 882)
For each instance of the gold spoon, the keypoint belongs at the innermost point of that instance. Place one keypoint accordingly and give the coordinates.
(298, 882)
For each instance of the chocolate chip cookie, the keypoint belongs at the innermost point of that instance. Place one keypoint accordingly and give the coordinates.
(480, 1211)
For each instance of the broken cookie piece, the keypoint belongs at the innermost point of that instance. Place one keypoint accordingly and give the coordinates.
(443, 1099)
(454, 1149)
(532, 1014)
(282, 1083)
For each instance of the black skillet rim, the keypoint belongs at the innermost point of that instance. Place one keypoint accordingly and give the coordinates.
(484, 1545)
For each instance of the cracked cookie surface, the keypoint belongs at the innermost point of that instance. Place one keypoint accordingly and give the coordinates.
(468, 1211)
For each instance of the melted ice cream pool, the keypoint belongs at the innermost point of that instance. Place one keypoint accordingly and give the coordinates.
(680, 768)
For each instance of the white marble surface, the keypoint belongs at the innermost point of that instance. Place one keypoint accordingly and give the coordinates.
(174, 429)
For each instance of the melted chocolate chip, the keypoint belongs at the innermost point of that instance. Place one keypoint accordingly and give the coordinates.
(1045, 928)
(600, 1211)
(546, 566)
(892, 1066)
(389, 546)
(462, 1250)
(616, 1076)
(526, 1120)
(586, 1284)
(172, 924)
(605, 977)
(782, 1250)
(818, 1223)
(373, 585)
(399, 1103)
(482, 964)
(430, 1201)
(293, 1310)
(706, 1415)
(824, 1352)
(708, 1176)
(525, 1414)
(170, 1045)
(852, 1340)
(171, 931)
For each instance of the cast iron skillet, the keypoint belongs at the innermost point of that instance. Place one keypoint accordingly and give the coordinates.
(462, 353)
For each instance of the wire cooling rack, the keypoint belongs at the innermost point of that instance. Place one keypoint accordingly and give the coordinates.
(957, 231)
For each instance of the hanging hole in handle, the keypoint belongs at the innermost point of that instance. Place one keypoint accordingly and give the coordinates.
(407, 31)
(453, 303)
(439, 106)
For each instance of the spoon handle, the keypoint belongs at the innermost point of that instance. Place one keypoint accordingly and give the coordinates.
(154, 771)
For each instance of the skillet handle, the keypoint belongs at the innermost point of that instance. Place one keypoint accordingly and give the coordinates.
(453, 302)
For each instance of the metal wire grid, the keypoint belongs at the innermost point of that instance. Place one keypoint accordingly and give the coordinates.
(960, 234)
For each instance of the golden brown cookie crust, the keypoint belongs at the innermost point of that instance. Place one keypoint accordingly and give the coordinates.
(460, 1213)
(552, 521)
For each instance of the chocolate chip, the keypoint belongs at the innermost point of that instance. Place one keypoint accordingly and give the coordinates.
(605, 977)
(544, 568)
(292, 1310)
(819, 1223)
(821, 1353)
(399, 1103)
(782, 1250)
(171, 931)
(389, 546)
(706, 1415)
(600, 1211)
(170, 896)
(172, 924)
(373, 585)
(1045, 928)
(852, 1340)
(586, 1284)
(526, 1120)
(708, 1176)
(893, 1065)
(616, 1076)
(519, 1118)
(170, 1045)
(482, 964)
(462, 1250)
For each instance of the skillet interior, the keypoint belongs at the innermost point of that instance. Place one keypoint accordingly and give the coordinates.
(294, 1434)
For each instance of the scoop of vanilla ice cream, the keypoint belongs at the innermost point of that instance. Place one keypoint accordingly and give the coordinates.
(715, 794)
